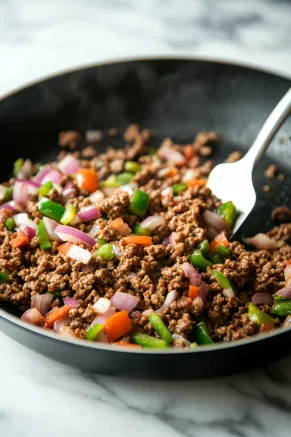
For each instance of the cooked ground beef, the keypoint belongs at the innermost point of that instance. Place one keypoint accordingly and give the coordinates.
(152, 272)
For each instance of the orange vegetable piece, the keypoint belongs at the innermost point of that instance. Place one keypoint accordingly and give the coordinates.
(173, 171)
(87, 179)
(189, 152)
(120, 226)
(195, 182)
(219, 240)
(21, 240)
(136, 239)
(117, 325)
(64, 248)
(56, 315)
(193, 291)
(130, 345)
(287, 262)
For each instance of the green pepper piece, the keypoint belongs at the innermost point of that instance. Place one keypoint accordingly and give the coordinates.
(45, 188)
(124, 178)
(179, 188)
(145, 340)
(50, 209)
(8, 194)
(132, 167)
(43, 238)
(105, 252)
(216, 259)
(258, 316)
(201, 333)
(282, 307)
(69, 214)
(4, 277)
(92, 332)
(17, 166)
(138, 230)
(139, 203)
(101, 241)
(110, 182)
(204, 246)
(229, 212)
(222, 280)
(159, 326)
(222, 251)
(198, 260)
(194, 345)
(10, 224)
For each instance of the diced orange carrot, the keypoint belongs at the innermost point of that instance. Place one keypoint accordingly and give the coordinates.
(87, 179)
(21, 240)
(265, 327)
(120, 226)
(195, 182)
(64, 248)
(219, 240)
(135, 239)
(287, 262)
(189, 152)
(193, 291)
(56, 315)
(173, 172)
(130, 345)
(117, 325)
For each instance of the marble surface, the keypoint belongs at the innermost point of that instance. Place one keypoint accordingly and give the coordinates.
(41, 397)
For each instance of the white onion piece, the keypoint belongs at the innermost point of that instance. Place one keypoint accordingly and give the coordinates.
(171, 297)
(66, 331)
(127, 189)
(102, 305)
(228, 292)
(73, 235)
(153, 222)
(25, 170)
(203, 290)
(167, 192)
(89, 213)
(20, 193)
(284, 292)
(182, 339)
(69, 164)
(124, 301)
(97, 196)
(109, 191)
(50, 226)
(262, 299)
(102, 318)
(172, 239)
(23, 219)
(173, 156)
(287, 272)
(116, 250)
(262, 241)
(32, 316)
(42, 302)
(53, 176)
(94, 231)
(79, 254)
(189, 175)
(59, 323)
(71, 302)
(215, 221)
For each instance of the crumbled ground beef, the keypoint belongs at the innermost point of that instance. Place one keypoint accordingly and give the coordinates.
(149, 273)
(271, 171)
(234, 156)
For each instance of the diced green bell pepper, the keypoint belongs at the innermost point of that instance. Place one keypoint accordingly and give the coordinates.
(216, 259)
(69, 214)
(204, 246)
(4, 277)
(101, 241)
(132, 167)
(194, 345)
(124, 178)
(229, 212)
(44, 242)
(92, 332)
(198, 261)
(159, 326)
(145, 340)
(222, 280)
(282, 307)
(110, 182)
(258, 316)
(201, 333)
(179, 188)
(17, 166)
(138, 230)
(8, 194)
(50, 209)
(105, 252)
(10, 224)
(139, 203)
(45, 188)
(222, 251)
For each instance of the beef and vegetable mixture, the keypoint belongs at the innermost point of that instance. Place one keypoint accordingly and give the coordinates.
(130, 247)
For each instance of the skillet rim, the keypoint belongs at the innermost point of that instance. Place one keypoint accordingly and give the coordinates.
(82, 343)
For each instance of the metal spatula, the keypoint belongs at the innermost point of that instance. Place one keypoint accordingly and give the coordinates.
(234, 181)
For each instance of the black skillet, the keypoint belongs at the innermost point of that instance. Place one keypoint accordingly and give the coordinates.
(174, 98)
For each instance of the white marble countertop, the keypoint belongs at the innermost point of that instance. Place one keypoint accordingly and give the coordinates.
(41, 397)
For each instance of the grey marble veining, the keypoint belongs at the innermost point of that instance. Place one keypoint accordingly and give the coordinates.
(41, 397)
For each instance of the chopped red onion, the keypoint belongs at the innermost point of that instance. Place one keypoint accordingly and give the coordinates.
(20, 193)
(69, 164)
(124, 301)
(284, 292)
(153, 222)
(27, 230)
(190, 272)
(67, 233)
(53, 176)
(25, 170)
(262, 241)
(170, 298)
(94, 231)
(182, 339)
(215, 221)
(32, 316)
(8, 205)
(287, 272)
(203, 290)
(211, 233)
(68, 190)
(79, 254)
(32, 186)
(228, 292)
(172, 239)
(103, 317)
(50, 226)
(22, 219)
(97, 196)
(42, 302)
(59, 323)
(41, 175)
(173, 156)
(89, 213)
(102, 305)
(71, 302)
(146, 313)
(262, 299)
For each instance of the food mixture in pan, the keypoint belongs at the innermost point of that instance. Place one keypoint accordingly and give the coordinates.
(130, 247)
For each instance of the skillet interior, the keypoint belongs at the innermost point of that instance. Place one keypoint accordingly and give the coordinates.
(175, 98)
